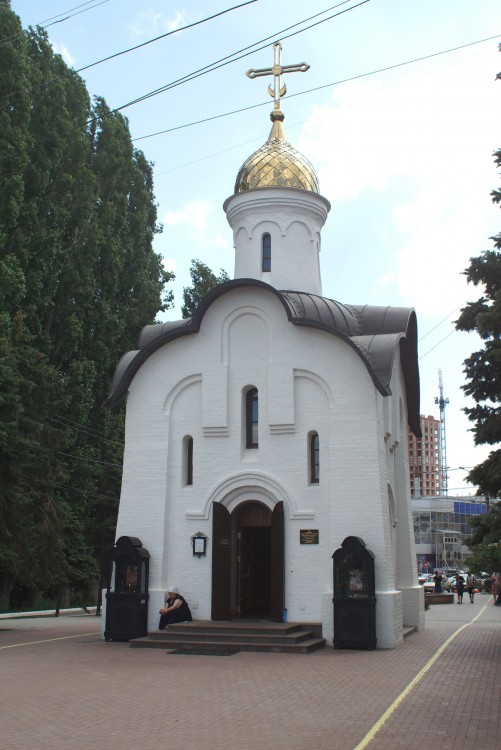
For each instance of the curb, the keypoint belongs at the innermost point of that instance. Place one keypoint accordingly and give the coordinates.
(47, 613)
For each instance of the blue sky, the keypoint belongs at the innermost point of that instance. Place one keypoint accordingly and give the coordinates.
(404, 156)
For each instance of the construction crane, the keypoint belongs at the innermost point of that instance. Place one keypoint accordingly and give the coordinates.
(442, 403)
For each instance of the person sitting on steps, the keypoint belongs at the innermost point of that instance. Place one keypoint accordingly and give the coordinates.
(174, 610)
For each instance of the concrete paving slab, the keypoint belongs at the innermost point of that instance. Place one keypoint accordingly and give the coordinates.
(63, 687)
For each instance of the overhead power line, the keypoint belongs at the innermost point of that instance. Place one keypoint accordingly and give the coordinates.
(66, 13)
(89, 460)
(162, 36)
(437, 344)
(235, 56)
(73, 489)
(131, 49)
(443, 320)
(318, 88)
(69, 424)
(66, 18)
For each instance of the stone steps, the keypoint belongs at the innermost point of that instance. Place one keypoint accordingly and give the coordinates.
(230, 637)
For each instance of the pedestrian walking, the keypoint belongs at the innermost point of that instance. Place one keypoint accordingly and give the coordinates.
(459, 588)
(498, 586)
(494, 587)
(438, 582)
(471, 584)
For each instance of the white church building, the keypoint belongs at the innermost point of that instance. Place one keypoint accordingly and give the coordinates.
(270, 426)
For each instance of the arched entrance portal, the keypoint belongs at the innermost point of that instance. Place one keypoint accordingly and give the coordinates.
(248, 561)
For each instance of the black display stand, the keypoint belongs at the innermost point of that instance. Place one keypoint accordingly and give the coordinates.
(354, 596)
(127, 592)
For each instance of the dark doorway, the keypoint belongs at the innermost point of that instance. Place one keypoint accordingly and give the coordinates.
(253, 571)
(251, 526)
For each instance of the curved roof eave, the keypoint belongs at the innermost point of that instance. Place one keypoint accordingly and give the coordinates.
(372, 332)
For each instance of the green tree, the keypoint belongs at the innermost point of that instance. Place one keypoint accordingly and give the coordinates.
(14, 137)
(203, 281)
(31, 517)
(78, 277)
(485, 541)
(483, 367)
(124, 291)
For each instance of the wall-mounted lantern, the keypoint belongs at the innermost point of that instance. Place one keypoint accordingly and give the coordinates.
(199, 544)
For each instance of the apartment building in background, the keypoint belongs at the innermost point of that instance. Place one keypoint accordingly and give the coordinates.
(425, 459)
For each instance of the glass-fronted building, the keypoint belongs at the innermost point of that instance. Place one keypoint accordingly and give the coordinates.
(440, 525)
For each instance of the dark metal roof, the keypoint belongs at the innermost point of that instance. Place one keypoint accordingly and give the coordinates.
(374, 333)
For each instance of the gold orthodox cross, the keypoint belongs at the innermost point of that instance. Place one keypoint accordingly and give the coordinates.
(277, 91)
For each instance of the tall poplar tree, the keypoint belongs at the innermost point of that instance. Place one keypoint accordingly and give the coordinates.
(78, 278)
(203, 281)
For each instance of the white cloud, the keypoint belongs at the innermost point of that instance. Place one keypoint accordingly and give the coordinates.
(421, 127)
(60, 49)
(146, 24)
(151, 24)
(196, 228)
(180, 19)
(194, 214)
(434, 133)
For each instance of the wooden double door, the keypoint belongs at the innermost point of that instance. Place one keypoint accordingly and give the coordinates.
(248, 562)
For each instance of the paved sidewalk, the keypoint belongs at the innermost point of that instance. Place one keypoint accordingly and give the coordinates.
(63, 687)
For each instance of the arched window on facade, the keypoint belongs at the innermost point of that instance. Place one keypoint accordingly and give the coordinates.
(314, 457)
(188, 460)
(251, 418)
(266, 252)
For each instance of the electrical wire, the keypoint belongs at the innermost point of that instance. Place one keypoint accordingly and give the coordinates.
(183, 28)
(437, 344)
(131, 49)
(211, 156)
(89, 460)
(200, 122)
(259, 140)
(76, 14)
(400, 65)
(40, 23)
(442, 321)
(226, 61)
(162, 36)
(77, 7)
(317, 88)
(73, 489)
(85, 430)
(214, 66)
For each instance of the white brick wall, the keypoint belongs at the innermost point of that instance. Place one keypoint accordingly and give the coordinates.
(307, 380)
(294, 219)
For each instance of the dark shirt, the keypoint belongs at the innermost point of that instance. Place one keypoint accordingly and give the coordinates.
(182, 613)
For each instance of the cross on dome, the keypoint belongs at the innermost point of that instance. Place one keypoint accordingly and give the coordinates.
(277, 91)
(277, 163)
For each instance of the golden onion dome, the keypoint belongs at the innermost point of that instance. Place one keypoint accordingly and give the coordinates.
(276, 164)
